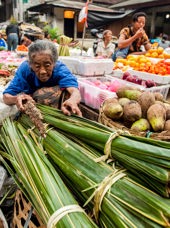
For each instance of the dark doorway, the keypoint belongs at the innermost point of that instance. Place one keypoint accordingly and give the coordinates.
(69, 27)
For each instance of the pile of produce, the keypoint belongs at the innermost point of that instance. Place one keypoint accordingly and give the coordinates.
(38, 179)
(135, 79)
(138, 110)
(143, 63)
(22, 48)
(109, 193)
(6, 74)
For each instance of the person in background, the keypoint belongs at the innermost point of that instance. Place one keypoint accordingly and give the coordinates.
(47, 35)
(43, 78)
(3, 44)
(165, 43)
(26, 40)
(106, 48)
(12, 32)
(132, 38)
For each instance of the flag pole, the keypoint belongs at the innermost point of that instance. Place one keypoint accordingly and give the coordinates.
(84, 28)
(84, 32)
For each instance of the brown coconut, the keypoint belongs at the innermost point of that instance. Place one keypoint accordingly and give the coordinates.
(132, 111)
(145, 100)
(129, 92)
(123, 101)
(167, 125)
(159, 96)
(112, 109)
(156, 116)
(167, 107)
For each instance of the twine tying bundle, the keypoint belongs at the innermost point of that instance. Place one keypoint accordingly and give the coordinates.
(60, 213)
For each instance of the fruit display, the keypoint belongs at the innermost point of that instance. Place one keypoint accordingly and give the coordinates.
(140, 111)
(137, 80)
(144, 64)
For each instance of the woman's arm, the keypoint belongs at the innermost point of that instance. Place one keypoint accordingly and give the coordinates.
(123, 42)
(17, 100)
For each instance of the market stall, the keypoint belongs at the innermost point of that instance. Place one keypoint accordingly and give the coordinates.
(133, 191)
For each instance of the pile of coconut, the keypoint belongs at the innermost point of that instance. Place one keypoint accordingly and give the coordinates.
(138, 110)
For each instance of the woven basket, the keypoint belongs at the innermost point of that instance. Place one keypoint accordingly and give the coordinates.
(164, 135)
(21, 213)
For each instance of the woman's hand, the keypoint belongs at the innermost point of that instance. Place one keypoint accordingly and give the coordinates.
(70, 105)
(22, 99)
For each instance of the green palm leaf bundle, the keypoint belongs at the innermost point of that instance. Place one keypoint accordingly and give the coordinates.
(38, 179)
(147, 159)
(116, 200)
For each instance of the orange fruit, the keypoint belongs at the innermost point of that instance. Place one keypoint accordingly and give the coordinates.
(166, 55)
(148, 54)
(160, 50)
(154, 54)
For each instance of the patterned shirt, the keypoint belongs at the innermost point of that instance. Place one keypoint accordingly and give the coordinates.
(136, 45)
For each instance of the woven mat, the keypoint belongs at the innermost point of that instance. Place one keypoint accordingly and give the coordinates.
(21, 212)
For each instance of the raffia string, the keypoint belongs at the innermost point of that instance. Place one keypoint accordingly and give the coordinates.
(59, 214)
(102, 189)
(107, 148)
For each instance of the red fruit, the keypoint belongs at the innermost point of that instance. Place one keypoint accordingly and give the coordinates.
(150, 83)
(125, 75)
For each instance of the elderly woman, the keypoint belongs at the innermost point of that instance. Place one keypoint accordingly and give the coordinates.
(106, 48)
(41, 74)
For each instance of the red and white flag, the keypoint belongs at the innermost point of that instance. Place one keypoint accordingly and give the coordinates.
(83, 14)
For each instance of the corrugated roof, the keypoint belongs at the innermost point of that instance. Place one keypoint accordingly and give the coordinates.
(130, 3)
(70, 5)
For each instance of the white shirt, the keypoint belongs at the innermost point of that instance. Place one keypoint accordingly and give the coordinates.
(105, 51)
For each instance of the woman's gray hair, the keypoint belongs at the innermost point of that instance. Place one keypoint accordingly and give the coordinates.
(45, 46)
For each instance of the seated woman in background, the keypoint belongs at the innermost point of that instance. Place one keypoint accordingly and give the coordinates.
(106, 48)
(26, 40)
(3, 44)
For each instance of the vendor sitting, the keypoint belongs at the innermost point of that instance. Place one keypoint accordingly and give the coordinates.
(3, 44)
(43, 78)
(26, 40)
(106, 48)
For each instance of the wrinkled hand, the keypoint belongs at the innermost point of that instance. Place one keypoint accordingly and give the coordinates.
(21, 99)
(69, 106)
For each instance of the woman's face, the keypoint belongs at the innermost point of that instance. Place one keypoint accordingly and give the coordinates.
(140, 23)
(108, 35)
(42, 64)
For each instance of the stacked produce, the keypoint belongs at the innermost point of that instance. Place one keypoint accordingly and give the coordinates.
(116, 200)
(138, 110)
(147, 158)
(38, 179)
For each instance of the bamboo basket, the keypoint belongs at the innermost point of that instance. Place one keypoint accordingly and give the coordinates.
(164, 135)
(21, 213)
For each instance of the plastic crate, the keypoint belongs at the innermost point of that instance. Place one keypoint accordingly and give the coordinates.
(87, 66)
(93, 96)
(163, 89)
